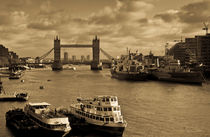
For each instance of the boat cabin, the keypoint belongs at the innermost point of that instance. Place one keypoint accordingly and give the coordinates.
(101, 108)
(37, 107)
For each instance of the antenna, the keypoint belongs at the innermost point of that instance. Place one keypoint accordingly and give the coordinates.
(205, 27)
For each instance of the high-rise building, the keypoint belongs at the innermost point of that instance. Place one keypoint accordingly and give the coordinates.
(65, 57)
(82, 58)
(73, 58)
(195, 49)
(88, 58)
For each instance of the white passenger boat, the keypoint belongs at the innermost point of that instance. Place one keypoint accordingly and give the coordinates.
(47, 119)
(101, 113)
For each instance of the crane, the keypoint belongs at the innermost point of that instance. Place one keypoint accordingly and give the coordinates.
(205, 27)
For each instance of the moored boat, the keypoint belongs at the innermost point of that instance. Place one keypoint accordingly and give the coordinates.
(12, 97)
(99, 114)
(47, 119)
(129, 68)
(173, 72)
(16, 75)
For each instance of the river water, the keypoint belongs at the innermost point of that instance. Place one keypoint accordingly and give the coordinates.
(151, 108)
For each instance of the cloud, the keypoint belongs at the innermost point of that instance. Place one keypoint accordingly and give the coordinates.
(128, 23)
(195, 12)
(168, 16)
(48, 18)
(125, 10)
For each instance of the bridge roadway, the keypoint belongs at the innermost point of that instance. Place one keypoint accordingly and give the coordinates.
(76, 46)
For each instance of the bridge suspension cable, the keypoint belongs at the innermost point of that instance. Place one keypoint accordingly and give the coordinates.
(46, 54)
(106, 54)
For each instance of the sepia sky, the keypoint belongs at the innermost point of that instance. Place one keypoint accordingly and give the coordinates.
(28, 27)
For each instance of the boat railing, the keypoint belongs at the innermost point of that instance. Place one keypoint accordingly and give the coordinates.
(104, 118)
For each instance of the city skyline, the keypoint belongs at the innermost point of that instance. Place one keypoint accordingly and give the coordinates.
(28, 27)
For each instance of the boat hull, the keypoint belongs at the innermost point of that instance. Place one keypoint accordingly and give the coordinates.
(180, 77)
(79, 124)
(12, 98)
(22, 125)
(133, 76)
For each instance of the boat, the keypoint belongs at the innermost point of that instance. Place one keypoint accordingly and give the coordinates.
(12, 97)
(69, 67)
(173, 72)
(47, 119)
(128, 68)
(98, 114)
(16, 74)
(20, 124)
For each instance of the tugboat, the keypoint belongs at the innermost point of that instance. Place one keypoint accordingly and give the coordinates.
(99, 114)
(47, 119)
(128, 68)
(12, 97)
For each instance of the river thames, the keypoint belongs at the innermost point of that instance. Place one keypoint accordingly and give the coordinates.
(151, 108)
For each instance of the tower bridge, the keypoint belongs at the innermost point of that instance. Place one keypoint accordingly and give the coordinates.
(95, 65)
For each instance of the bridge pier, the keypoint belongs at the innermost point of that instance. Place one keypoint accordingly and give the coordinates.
(96, 64)
(57, 65)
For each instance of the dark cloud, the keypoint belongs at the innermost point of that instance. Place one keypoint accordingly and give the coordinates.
(167, 17)
(143, 21)
(42, 26)
(194, 12)
(190, 14)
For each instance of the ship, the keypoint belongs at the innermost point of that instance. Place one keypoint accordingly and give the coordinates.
(47, 119)
(128, 68)
(96, 115)
(173, 72)
(12, 97)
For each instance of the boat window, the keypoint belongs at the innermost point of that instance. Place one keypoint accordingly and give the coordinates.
(91, 116)
(115, 109)
(109, 109)
(98, 109)
(118, 108)
(103, 99)
(97, 118)
(107, 119)
(94, 117)
(107, 99)
(111, 119)
(115, 99)
(105, 109)
(112, 99)
(101, 118)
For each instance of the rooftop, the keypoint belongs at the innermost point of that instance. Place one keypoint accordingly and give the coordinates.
(39, 104)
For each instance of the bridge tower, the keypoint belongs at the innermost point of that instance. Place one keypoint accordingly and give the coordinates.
(95, 65)
(57, 57)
